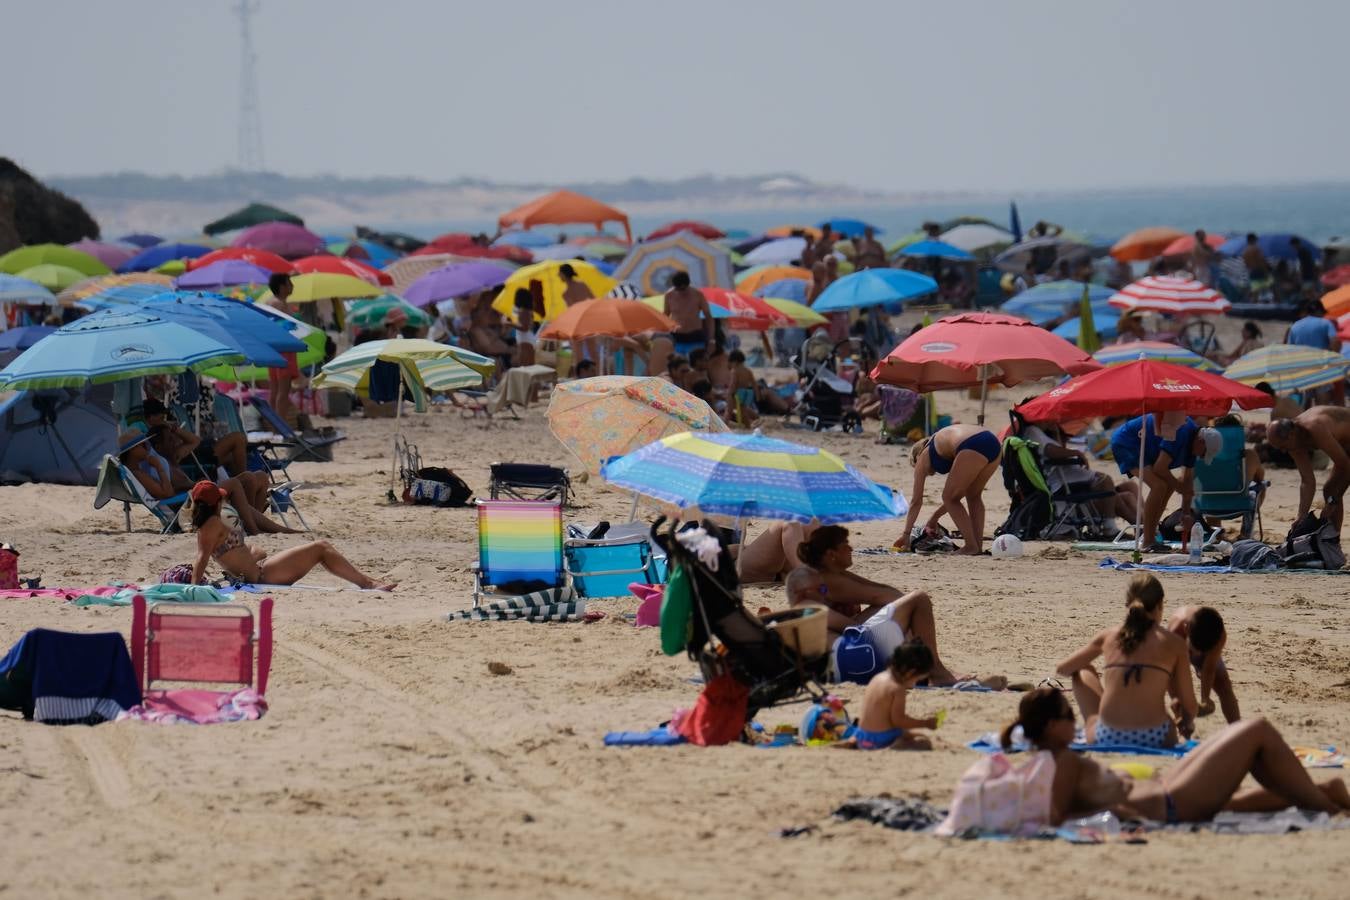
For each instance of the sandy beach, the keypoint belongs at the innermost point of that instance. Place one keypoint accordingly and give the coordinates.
(392, 764)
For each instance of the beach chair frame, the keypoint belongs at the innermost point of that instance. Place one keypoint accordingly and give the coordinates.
(529, 481)
(197, 644)
(115, 482)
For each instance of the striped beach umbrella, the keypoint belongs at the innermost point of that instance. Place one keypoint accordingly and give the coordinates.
(1172, 295)
(651, 264)
(14, 289)
(1120, 354)
(754, 476)
(1289, 368)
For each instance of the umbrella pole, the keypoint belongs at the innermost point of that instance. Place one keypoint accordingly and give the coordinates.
(398, 430)
(984, 392)
(1139, 493)
(632, 510)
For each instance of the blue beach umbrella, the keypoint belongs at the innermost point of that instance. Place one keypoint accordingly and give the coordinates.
(259, 323)
(786, 289)
(752, 475)
(140, 239)
(850, 228)
(159, 254)
(119, 296)
(873, 287)
(25, 337)
(114, 345)
(1069, 329)
(14, 289)
(934, 249)
(1273, 246)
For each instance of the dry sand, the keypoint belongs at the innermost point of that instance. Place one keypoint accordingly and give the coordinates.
(393, 764)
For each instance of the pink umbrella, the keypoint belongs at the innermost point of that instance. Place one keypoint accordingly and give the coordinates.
(111, 255)
(971, 349)
(281, 238)
(1172, 295)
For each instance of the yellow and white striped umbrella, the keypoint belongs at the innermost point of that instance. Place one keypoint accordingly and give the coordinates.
(1289, 368)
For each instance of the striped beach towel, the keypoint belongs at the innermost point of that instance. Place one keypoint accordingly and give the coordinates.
(560, 604)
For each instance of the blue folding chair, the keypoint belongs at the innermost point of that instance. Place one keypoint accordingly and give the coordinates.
(1223, 487)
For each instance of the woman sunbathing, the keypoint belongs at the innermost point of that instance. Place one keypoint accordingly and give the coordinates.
(1143, 663)
(1206, 781)
(969, 456)
(225, 543)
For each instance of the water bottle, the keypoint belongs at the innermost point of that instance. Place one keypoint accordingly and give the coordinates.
(1197, 539)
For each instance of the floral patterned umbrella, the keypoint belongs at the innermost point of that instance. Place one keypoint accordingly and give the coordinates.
(599, 418)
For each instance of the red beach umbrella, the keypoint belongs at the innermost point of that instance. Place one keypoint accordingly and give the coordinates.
(1143, 386)
(262, 258)
(702, 229)
(337, 265)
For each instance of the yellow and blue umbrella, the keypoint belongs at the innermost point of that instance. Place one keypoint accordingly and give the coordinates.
(651, 264)
(752, 475)
(1120, 354)
(1289, 368)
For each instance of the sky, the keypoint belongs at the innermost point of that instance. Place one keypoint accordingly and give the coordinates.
(894, 96)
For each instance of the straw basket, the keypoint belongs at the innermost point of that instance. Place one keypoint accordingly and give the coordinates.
(802, 630)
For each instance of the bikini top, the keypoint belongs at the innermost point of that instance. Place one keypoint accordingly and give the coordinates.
(1137, 670)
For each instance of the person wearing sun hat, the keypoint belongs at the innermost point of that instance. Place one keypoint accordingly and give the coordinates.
(1160, 457)
(226, 545)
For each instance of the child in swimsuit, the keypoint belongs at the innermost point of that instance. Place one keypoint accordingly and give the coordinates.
(884, 724)
(1202, 628)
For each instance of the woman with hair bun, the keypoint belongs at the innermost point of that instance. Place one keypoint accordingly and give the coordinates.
(1143, 663)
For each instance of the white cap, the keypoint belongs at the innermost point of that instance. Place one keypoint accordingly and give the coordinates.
(1213, 443)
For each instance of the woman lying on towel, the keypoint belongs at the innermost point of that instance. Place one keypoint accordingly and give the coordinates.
(225, 543)
(1144, 662)
(1206, 781)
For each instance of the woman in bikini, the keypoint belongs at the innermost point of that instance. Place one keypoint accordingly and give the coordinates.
(1144, 662)
(1206, 781)
(969, 456)
(225, 544)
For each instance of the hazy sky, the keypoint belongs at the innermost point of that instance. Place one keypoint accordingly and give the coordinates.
(901, 95)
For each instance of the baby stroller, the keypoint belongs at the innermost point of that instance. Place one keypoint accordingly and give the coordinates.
(724, 637)
(826, 399)
(1037, 513)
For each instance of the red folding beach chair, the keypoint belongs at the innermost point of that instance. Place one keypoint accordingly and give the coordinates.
(201, 645)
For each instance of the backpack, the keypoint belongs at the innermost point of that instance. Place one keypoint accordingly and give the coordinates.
(438, 486)
(996, 796)
(1313, 543)
(1028, 519)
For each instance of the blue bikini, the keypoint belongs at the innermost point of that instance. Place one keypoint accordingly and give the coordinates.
(982, 442)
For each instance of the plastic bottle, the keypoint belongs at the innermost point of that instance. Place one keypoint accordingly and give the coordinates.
(1197, 540)
(1105, 823)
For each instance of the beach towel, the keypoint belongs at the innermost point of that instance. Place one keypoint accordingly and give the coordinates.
(1114, 547)
(62, 678)
(196, 707)
(560, 604)
(63, 593)
(156, 593)
(989, 743)
(1109, 563)
(660, 736)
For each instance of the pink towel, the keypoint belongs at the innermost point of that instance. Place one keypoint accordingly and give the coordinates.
(63, 593)
(198, 707)
(649, 611)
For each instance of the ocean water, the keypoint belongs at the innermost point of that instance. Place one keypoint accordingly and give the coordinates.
(1317, 212)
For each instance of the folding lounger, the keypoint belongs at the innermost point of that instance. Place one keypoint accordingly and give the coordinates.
(1223, 487)
(528, 481)
(300, 447)
(519, 547)
(200, 645)
(116, 483)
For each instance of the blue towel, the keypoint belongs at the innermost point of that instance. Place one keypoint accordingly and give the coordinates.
(988, 743)
(384, 381)
(657, 737)
(1109, 563)
(74, 677)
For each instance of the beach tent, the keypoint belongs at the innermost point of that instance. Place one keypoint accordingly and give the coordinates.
(565, 208)
(57, 436)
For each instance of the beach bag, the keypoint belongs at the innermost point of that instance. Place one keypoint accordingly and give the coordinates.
(719, 715)
(677, 611)
(9, 568)
(1254, 556)
(179, 574)
(994, 796)
(1028, 519)
(438, 486)
(855, 657)
(1313, 543)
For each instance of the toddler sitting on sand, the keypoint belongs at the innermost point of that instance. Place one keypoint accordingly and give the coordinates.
(884, 724)
(1202, 627)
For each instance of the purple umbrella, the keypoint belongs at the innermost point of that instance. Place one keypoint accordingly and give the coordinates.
(223, 273)
(455, 280)
(281, 238)
(111, 255)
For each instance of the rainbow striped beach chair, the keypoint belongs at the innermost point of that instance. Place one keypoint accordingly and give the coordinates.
(520, 547)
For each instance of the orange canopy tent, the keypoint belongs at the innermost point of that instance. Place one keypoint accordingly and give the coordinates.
(564, 208)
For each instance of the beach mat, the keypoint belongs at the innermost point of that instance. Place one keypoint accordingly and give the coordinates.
(659, 736)
(1109, 563)
(1111, 546)
(989, 743)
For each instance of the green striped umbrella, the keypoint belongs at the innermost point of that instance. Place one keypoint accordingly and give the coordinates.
(1289, 368)
(375, 312)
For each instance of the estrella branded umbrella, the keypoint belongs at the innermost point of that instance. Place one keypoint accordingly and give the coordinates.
(15, 261)
(1289, 368)
(113, 345)
(651, 264)
(754, 476)
(608, 416)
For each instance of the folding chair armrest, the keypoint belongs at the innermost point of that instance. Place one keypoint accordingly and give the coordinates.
(138, 621)
(264, 645)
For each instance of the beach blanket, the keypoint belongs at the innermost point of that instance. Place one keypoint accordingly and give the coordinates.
(989, 743)
(553, 605)
(1109, 563)
(63, 593)
(660, 736)
(156, 593)
(63, 678)
(1112, 546)
(273, 588)
(196, 707)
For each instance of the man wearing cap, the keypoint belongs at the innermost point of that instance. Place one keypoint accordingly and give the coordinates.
(1160, 457)
(1325, 428)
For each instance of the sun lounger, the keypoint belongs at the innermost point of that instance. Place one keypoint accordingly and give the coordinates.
(115, 482)
(201, 645)
(519, 547)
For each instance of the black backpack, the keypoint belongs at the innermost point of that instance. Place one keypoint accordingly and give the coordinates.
(438, 486)
(1313, 543)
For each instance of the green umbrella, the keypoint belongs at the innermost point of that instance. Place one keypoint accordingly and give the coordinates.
(375, 312)
(53, 277)
(15, 261)
(253, 214)
(1088, 339)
